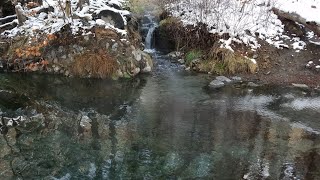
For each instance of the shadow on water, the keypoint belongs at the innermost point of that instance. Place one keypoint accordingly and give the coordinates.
(165, 125)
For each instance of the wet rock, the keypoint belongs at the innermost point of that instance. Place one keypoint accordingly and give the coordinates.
(252, 84)
(175, 54)
(223, 79)
(67, 73)
(85, 124)
(147, 63)
(181, 61)
(236, 78)
(304, 86)
(136, 71)
(215, 84)
(1, 65)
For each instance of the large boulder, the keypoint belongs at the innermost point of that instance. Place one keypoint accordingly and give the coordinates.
(112, 17)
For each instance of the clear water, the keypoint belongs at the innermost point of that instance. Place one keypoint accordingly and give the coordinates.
(166, 125)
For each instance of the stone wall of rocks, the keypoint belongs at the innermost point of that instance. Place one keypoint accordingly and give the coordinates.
(62, 53)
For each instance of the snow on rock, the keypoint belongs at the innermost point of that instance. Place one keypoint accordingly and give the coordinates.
(82, 20)
(245, 20)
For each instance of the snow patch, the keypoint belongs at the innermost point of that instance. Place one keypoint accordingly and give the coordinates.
(246, 21)
(54, 21)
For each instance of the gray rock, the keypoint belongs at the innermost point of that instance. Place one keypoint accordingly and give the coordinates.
(215, 84)
(195, 61)
(64, 57)
(223, 79)
(67, 73)
(49, 70)
(147, 69)
(136, 71)
(252, 84)
(53, 54)
(56, 69)
(137, 55)
(175, 54)
(181, 61)
(300, 85)
(107, 45)
(115, 47)
(236, 78)
(60, 50)
(112, 17)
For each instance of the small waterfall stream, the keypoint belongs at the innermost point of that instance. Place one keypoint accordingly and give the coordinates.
(152, 25)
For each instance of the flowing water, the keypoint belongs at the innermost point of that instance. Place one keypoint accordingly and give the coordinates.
(166, 125)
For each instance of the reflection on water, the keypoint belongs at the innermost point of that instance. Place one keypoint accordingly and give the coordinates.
(161, 126)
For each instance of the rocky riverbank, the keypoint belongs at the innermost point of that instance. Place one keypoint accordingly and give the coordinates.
(100, 40)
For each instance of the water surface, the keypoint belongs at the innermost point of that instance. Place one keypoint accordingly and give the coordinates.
(166, 125)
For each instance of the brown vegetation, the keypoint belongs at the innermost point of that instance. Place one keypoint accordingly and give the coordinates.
(188, 37)
(96, 64)
(213, 59)
(223, 61)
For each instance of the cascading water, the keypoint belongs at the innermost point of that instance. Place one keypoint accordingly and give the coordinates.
(152, 25)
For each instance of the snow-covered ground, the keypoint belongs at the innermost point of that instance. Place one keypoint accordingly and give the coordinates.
(243, 19)
(52, 22)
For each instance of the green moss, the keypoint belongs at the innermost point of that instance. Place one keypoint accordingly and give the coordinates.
(220, 68)
(192, 55)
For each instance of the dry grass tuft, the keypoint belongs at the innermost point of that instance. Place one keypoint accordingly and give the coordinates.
(225, 61)
(94, 64)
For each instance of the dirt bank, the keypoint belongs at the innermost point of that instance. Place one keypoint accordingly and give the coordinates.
(286, 66)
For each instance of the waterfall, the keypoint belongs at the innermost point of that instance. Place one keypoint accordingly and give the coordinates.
(152, 25)
(149, 37)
